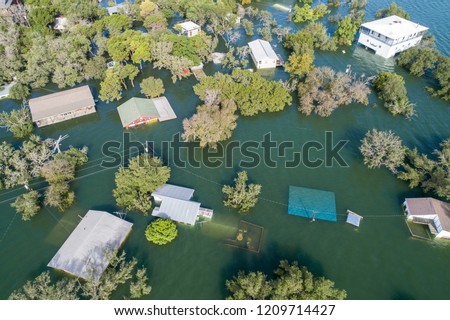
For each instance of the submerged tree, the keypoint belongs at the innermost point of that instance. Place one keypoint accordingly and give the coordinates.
(211, 124)
(161, 231)
(135, 184)
(393, 9)
(242, 196)
(291, 282)
(27, 205)
(391, 88)
(18, 122)
(140, 287)
(152, 87)
(324, 90)
(382, 148)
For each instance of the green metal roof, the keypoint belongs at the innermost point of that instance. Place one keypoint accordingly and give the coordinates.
(136, 108)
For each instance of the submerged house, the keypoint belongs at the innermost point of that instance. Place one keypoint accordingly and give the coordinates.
(263, 54)
(312, 204)
(137, 111)
(62, 106)
(431, 212)
(85, 252)
(188, 28)
(390, 35)
(175, 204)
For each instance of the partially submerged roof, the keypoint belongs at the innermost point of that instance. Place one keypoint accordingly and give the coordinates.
(394, 27)
(188, 25)
(353, 218)
(312, 203)
(135, 108)
(178, 210)
(261, 49)
(60, 102)
(164, 109)
(115, 9)
(177, 192)
(85, 250)
(430, 206)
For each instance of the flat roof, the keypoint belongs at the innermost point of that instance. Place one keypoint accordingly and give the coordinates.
(394, 27)
(173, 191)
(430, 206)
(85, 250)
(188, 25)
(178, 210)
(312, 203)
(114, 9)
(60, 102)
(353, 218)
(262, 49)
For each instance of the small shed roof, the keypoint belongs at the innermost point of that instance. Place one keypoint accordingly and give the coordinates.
(261, 49)
(394, 27)
(430, 206)
(114, 9)
(188, 25)
(353, 218)
(312, 203)
(178, 210)
(85, 250)
(173, 191)
(164, 109)
(4, 4)
(60, 102)
(4, 91)
(135, 108)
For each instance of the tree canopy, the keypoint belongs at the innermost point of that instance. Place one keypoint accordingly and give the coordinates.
(161, 231)
(18, 121)
(152, 87)
(135, 183)
(391, 88)
(241, 196)
(290, 282)
(392, 9)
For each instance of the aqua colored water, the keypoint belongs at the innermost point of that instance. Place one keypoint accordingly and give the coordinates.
(377, 261)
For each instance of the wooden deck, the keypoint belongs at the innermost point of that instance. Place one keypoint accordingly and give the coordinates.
(205, 213)
(199, 73)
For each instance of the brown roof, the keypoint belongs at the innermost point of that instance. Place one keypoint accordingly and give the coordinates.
(430, 206)
(60, 102)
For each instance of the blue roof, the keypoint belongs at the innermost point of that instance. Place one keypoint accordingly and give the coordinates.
(312, 203)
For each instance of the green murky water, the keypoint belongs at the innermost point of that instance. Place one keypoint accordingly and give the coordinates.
(378, 261)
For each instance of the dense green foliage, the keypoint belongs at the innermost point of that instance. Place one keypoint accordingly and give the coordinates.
(161, 231)
(118, 273)
(35, 159)
(241, 196)
(382, 148)
(346, 31)
(324, 90)
(18, 122)
(421, 60)
(152, 87)
(135, 184)
(250, 92)
(19, 92)
(307, 13)
(27, 205)
(391, 88)
(393, 9)
(211, 124)
(291, 282)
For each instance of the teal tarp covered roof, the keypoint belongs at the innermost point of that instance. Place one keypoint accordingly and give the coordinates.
(312, 203)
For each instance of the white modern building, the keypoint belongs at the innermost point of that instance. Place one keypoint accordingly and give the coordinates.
(431, 212)
(262, 54)
(60, 23)
(390, 35)
(175, 204)
(188, 28)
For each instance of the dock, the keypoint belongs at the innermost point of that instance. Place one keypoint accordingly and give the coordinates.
(198, 73)
(205, 213)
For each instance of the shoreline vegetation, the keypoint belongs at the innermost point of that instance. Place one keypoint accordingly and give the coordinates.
(91, 44)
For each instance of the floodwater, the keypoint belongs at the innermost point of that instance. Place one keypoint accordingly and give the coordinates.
(377, 261)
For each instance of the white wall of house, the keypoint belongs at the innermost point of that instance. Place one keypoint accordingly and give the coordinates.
(191, 33)
(265, 63)
(385, 50)
(443, 235)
